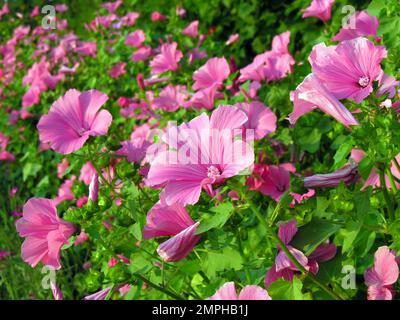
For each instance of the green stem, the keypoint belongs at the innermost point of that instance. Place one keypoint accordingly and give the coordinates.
(391, 179)
(292, 258)
(246, 270)
(386, 195)
(157, 287)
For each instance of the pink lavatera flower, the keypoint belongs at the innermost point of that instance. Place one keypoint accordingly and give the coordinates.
(232, 39)
(271, 65)
(65, 192)
(361, 24)
(228, 292)
(283, 268)
(167, 60)
(86, 48)
(298, 198)
(192, 30)
(202, 151)
(382, 275)
(4, 154)
(134, 149)
(320, 9)
(387, 85)
(135, 39)
(270, 180)
(44, 231)
(171, 98)
(312, 94)
(112, 6)
(174, 221)
(56, 291)
(348, 174)
(118, 70)
(86, 173)
(205, 98)
(213, 73)
(157, 16)
(261, 118)
(348, 69)
(62, 167)
(72, 119)
(100, 295)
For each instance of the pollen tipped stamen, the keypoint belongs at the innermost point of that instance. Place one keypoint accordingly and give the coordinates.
(363, 81)
(213, 172)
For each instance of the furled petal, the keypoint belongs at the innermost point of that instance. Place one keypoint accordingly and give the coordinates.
(254, 293)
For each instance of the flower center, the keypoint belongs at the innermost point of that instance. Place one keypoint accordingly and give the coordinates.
(213, 172)
(363, 81)
(81, 131)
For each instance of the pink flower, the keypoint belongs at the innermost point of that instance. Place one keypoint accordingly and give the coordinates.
(210, 155)
(118, 69)
(284, 267)
(167, 60)
(270, 180)
(192, 30)
(204, 98)
(270, 65)
(141, 54)
(135, 39)
(4, 254)
(4, 10)
(57, 293)
(112, 6)
(65, 192)
(157, 16)
(100, 295)
(62, 167)
(311, 94)
(61, 7)
(320, 9)
(261, 119)
(72, 119)
(87, 172)
(364, 25)
(113, 262)
(31, 97)
(171, 98)
(382, 275)
(94, 188)
(214, 72)
(81, 238)
(86, 48)
(134, 149)
(232, 39)
(300, 197)
(124, 289)
(228, 292)
(347, 174)
(130, 18)
(45, 232)
(357, 61)
(174, 220)
(5, 155)
(387, 84)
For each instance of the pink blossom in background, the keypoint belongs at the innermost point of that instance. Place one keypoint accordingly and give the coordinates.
(180, 11)
(271, 65)
(112, 262)
(86, 48)
(61, 8)
(4, 254)
(192, 30)
(320, 9)
(141, 54)
(81, 201)
(123, 290)
(213, 73)
(35, 12)
(111, 7)
(130, 18)
(270, 180)
(252, 292)
(261, 119)
(387, 84)
(171, 98)
(284, 267)
(157, 16)
(135, 39)
(72, 119)
(298, 198)
(4, 154)
(62, 167)
(363, 25)
(117, 70)
(382, 275)
(94, 188)
(312, 94)
(213, 157)
(357, 61)
(100, 295)
(195, 54)
(174, 221)
(4, 10)
(167, 60)
(44, 231)
(65, 192)
(232, 39)
(87, 172)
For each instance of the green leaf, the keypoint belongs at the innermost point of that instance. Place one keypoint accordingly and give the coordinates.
(215, 261)
(309, 237)
(209, 221)
(341, 154)
(284, 290)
